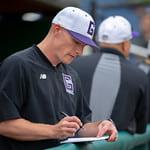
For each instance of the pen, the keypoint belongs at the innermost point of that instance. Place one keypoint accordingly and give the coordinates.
(66, 115)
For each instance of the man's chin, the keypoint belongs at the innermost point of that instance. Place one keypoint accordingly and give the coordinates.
(68, 61)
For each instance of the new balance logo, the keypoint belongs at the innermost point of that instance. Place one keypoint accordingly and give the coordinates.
(43, 76)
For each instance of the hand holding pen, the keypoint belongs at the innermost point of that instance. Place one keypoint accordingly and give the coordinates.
(66, 115)
(67, 127)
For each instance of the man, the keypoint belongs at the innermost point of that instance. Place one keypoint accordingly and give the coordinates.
(145, 28)
(115, 88)
(36, 86)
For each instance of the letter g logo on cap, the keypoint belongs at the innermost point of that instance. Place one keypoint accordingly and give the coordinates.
(91, 28)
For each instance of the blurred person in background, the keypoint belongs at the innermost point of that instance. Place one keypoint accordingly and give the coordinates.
(37, 84)
(144, 41)
(145, 27)
(114, 87)
(149, 96)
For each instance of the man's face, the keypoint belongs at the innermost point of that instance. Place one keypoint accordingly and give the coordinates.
(69, 48)
(145, 26)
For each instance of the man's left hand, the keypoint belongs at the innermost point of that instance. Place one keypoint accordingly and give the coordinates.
(108, 127)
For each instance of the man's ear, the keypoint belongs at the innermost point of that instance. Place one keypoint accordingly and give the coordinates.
(56, 28)
(125, 48)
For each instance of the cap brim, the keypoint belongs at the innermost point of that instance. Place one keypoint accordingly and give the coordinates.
(83, 39)
(135, 34)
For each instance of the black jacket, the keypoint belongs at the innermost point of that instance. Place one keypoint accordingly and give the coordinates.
(130, 108)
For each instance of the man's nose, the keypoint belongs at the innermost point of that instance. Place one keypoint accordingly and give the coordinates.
(79, 49)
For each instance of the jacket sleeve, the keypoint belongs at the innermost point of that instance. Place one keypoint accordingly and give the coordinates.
(11, 88)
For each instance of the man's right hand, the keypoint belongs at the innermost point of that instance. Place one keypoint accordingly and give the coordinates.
(67, 127)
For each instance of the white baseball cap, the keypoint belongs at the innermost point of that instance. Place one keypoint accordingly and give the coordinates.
(79, 24)
(115, 29)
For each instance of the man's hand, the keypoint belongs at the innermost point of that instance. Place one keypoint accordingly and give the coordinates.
(107, 127)
(67, 127)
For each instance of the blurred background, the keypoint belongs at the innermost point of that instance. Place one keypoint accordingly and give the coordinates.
(25, 22)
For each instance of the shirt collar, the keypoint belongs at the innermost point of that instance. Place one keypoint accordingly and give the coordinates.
(111, 50)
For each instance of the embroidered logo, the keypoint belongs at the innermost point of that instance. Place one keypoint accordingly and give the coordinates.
(91, 28)
(68, 83)
(43, 76)
(105, 37)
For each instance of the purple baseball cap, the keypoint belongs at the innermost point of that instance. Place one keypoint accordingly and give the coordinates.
(82, 38)
(78, 23)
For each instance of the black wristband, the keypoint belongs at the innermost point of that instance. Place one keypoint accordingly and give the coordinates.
(111, 121)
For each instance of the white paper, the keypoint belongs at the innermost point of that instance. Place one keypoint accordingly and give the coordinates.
(84, 139)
